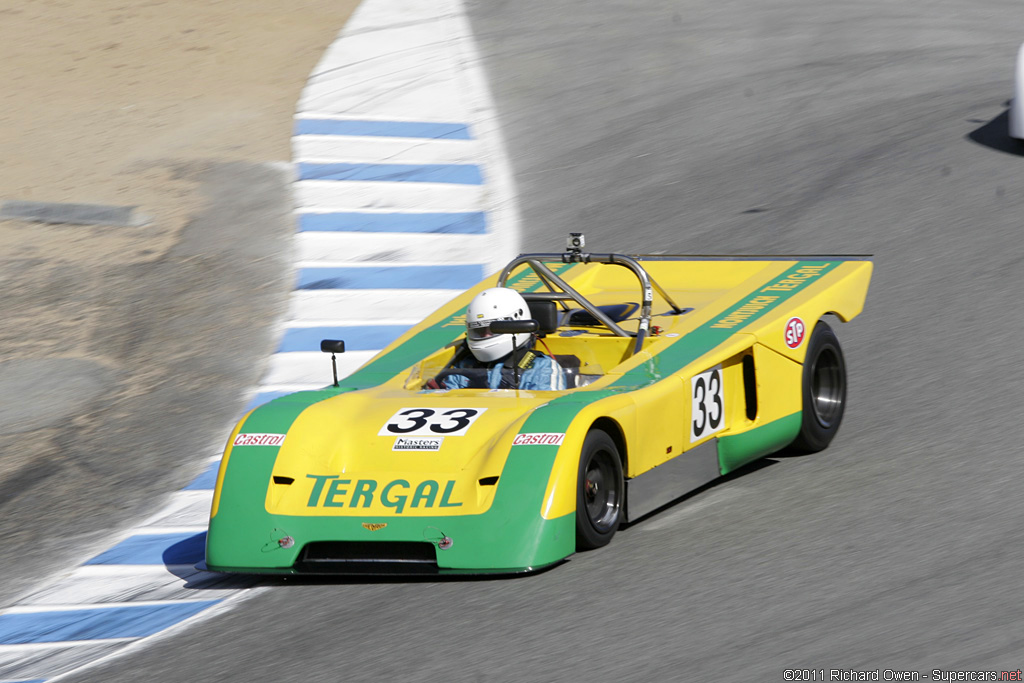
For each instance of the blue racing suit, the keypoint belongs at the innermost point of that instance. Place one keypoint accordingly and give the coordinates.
(537, 372)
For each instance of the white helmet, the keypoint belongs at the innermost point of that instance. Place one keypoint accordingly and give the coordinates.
(497, 303)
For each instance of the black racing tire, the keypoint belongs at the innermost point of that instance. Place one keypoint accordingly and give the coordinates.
(600, 491)
(824, 391)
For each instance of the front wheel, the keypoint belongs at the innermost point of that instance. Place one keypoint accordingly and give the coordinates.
(824, 391)
(599, 491)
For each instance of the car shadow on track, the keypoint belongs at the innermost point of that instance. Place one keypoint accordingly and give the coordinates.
(210, 581)
(995, 134)
(720, 481)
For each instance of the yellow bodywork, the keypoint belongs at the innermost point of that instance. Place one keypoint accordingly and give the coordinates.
(376, 480)
(337, 461)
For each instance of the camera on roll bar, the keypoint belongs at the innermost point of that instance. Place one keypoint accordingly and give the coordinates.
(574, 245)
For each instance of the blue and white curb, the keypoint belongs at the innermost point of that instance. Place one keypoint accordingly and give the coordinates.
(403, 199)
(143, 585)
(403, 194)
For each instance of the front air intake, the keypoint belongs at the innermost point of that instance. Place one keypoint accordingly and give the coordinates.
(368, 557)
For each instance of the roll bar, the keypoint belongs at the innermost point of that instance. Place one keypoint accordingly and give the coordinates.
(574, 254)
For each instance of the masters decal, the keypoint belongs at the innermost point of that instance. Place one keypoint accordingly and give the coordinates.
(430, 422)
(330, 491)
(418, 443)
(258, 440)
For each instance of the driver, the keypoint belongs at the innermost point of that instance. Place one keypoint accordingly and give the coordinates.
(491, 355)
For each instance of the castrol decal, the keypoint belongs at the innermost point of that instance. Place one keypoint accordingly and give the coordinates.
(539, 439)
(258, 440)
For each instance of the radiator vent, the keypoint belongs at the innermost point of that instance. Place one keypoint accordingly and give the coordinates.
(368, 557)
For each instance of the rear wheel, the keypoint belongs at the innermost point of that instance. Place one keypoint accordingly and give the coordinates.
(599, 491)
(824, 390)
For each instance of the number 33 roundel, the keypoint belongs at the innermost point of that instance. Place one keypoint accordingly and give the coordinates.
(430, 422)
(708, 413)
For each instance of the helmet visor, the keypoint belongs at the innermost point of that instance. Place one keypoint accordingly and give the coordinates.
(478, 333)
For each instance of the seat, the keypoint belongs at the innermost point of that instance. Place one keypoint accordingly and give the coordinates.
(617, 312)
(546, 315)
(571, 365)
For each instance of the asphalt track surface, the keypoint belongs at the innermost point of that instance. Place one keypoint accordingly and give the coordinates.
(776, 126)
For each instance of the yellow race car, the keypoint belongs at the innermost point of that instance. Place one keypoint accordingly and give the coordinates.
(678, 369)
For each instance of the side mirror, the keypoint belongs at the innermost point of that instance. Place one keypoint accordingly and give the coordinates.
(514, 326)
(333, 346)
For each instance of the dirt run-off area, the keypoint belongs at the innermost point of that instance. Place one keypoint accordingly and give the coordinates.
(126, 352)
